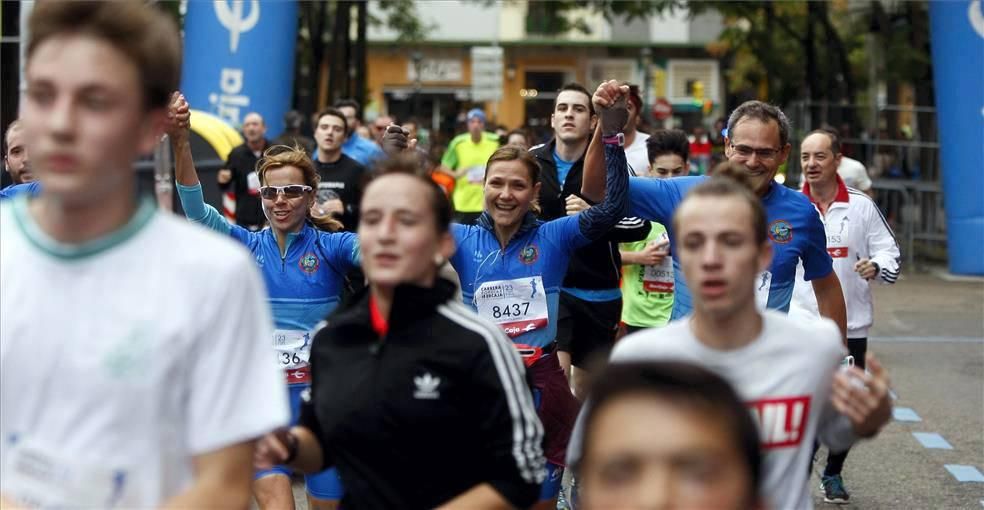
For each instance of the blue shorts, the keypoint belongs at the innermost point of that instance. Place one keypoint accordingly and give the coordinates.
(323, 485)
(550, 487)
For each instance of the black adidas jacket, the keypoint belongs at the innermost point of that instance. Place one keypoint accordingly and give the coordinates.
(598, 265)
(434, 408)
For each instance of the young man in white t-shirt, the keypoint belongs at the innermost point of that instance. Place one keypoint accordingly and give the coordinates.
(133, 346)
(786, 373)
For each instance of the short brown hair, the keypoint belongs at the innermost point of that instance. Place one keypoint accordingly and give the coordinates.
(280, 156)
(510, 153)
(334, 112)
(147, 36)
(729, 180)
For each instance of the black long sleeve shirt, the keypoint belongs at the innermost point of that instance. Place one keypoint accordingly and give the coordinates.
(436, 406)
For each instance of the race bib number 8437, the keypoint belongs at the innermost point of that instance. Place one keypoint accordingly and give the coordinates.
(517, 306)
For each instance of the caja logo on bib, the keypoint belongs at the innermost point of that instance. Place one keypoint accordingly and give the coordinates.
(780, 231)
(309, 263)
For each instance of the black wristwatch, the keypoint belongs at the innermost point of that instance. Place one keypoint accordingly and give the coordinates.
(877, 269)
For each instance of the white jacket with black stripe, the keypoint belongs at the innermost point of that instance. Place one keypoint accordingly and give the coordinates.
(856, 230)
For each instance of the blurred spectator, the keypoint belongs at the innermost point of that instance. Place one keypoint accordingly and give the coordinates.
(291, 137)
(465, 161)
(358, 144)
(855, 175)
(15, 156)
(378, 127)
(635, 140)
(717, 136)
(517, 138)
(700, 150)
(239, 175)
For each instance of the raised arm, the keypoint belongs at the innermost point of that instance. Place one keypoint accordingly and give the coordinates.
(188, 186)
(592, 183)
(597, 221)
(179, 125)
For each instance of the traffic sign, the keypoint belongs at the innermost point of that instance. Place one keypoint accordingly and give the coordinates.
(662, 109)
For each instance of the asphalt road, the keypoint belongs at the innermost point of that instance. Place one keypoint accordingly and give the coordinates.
(929, 332)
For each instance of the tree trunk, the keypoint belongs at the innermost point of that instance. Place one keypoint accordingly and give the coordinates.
(925, 94)
(359, 92)
(812, 73)
(836, 44)
(338, 83)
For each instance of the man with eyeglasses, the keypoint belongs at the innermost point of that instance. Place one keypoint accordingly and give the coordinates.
(758, 141)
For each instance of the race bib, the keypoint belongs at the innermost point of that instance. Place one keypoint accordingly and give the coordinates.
(476, 174)
(253, 183)
(517, 306)
(293, 350)
(41, 476)
(763, 282)
(837, 245)
(659, 278)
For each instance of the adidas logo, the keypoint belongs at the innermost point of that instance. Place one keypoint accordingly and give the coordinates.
(426, 386)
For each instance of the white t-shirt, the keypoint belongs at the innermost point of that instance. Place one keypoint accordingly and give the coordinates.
(854, 173)
(123, 358)
(637, 156)
(784, 376)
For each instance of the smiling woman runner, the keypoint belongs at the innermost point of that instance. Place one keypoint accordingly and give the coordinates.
(303, 268)
(435, 411)
(511, 266)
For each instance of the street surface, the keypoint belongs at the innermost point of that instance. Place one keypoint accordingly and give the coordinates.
(929, 332)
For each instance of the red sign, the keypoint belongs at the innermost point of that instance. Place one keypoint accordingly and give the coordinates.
(662, 109)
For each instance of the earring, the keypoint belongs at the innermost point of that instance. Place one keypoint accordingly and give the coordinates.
(439, 260)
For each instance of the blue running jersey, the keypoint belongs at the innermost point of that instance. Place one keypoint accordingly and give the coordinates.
(305, 284)
(518, 287)
(539, 249)
(794, 228)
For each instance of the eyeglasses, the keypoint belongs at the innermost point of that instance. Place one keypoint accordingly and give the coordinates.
(289, 191)
(746, 152)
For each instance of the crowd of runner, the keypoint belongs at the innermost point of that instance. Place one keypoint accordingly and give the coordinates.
(459, 335)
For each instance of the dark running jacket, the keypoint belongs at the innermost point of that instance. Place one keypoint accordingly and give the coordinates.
(434, 408)
(598, 265)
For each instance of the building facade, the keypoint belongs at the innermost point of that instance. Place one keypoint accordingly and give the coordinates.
(663, 54)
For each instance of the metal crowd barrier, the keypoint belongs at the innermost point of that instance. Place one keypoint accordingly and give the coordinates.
(914, 210)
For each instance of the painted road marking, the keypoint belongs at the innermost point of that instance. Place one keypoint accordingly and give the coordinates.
(932, 440)
(905, 414)
(965, 473)
(929, 339)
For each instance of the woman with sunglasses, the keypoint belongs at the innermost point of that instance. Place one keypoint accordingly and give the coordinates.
(304, 263)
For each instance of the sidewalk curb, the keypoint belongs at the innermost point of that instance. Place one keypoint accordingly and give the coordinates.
(943, 274)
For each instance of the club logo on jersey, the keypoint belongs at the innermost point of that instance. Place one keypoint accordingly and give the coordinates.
(309, 263)
(780, 231)
(529, 255)
(782, 421)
